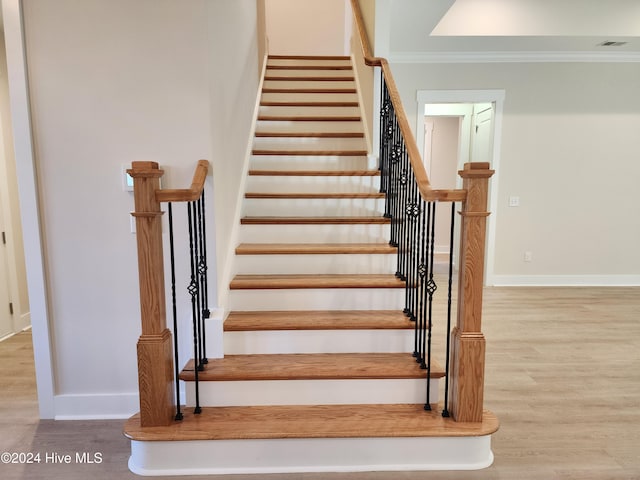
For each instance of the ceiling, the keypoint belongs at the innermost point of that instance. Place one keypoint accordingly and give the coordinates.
(515, 27)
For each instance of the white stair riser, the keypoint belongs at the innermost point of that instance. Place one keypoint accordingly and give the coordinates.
(354, 233)
(311, 392)
(307, 126)
(309, 110)
(318, 341)
(313, 144)
(289, 455)
(313, 184)
(317, 299)
(315, 264)
(309, 97)
(310, 162)
(313, 207)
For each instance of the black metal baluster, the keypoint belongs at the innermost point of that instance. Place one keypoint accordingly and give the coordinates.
(425, 250)
(431, 288)
(422, 270)
(175, 314)
(193, 291)
(445, 411)
(413, 212)
(204, 279)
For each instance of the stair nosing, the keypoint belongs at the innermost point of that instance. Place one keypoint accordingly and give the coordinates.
(312, 153)
(311, 281)
(289, 78)
(307, 118)
(274, 220)
(299, 320)
(312, 366)
(309, 135)
(312, 421)
(314, 249)
(314, 173)
(310, 90)
(314, 196)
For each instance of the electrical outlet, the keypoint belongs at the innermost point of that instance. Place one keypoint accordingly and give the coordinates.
(528, 256)
(514, 201)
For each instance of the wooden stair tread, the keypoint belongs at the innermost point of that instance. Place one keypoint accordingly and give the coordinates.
(272, 220)
(307, 104)
(309, 67)
(310, 421)
(305, 281)
(317, 320)
(308, 57)
(309, 134)
(308, 90)
(311, 366)
(316, 173)
(308, 118)
(314, 248)
(292, 78)
(324, 195)
(323, 153)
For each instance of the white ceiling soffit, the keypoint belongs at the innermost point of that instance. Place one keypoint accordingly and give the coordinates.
(514, 30)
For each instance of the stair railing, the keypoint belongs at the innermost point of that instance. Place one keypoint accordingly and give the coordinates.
(411, 206)
(158, 352)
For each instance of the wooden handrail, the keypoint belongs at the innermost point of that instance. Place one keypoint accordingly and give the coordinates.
(186, 194)
(422, 179)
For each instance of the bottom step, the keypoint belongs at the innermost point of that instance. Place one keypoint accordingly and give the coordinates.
(312, 438)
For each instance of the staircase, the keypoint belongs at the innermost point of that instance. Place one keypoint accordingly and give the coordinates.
(317, 373)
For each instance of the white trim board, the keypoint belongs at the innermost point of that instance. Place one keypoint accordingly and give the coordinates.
(564, 280)
(514, 57)
(29, 208)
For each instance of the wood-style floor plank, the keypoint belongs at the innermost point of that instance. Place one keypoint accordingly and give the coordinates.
(317, 320)
(311, 366)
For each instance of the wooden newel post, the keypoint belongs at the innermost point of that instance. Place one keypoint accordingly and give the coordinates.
(467, 340)
(155, 353)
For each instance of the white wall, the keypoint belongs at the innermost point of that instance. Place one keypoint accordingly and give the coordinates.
(570, 152)
(306, 27)
(113, 82)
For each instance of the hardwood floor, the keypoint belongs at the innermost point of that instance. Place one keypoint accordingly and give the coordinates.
(562, 375)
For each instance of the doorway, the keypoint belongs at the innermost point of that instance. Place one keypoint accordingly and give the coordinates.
(459, 126)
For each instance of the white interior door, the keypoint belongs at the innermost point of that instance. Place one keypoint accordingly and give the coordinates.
(482, 134)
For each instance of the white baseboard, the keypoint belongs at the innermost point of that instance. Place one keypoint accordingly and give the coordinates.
(564, 280)
(96, 406)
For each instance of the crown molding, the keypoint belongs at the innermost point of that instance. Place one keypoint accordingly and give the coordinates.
(514, 57)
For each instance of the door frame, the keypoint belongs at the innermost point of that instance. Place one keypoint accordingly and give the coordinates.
(29, 203)
(424, 97)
